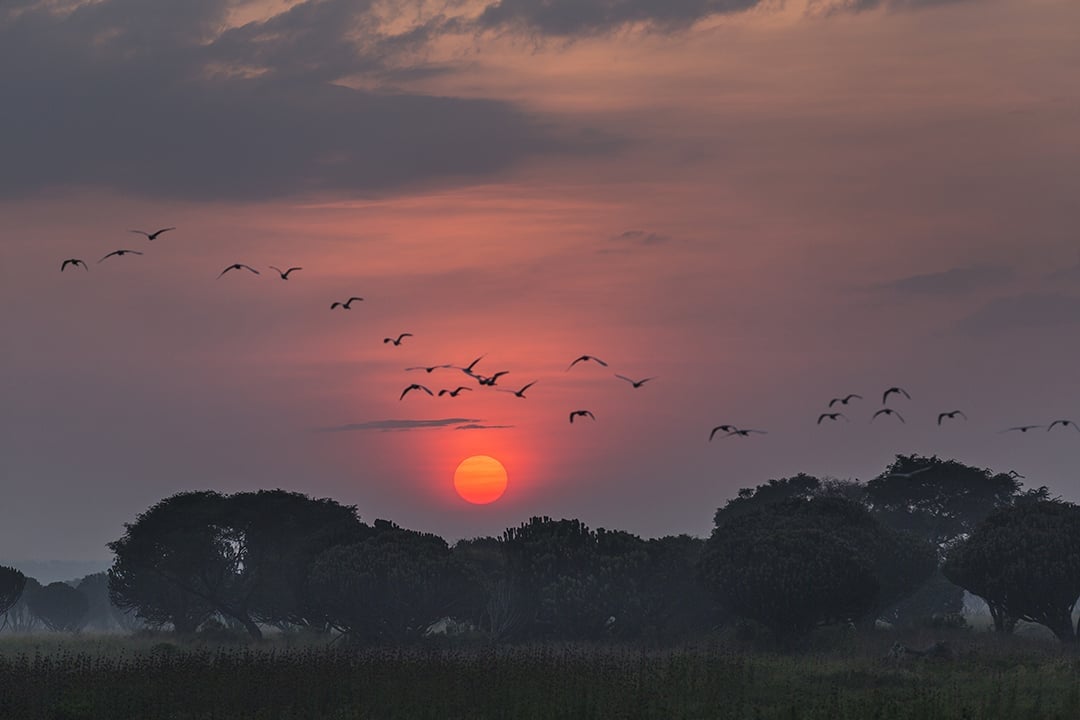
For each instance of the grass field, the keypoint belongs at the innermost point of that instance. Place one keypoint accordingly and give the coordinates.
(145, 679)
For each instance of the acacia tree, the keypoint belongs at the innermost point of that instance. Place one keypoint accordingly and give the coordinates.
(1024, 561)
(60, 607)
(12, 583)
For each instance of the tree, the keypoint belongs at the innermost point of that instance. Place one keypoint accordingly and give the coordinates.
(19, 618)
(1024, 561)
(847, 567)
(390, 586)
(12, 583)
(60, 607)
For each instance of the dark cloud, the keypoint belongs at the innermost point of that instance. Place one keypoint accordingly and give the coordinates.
(953, 281)
(597, 17)
(1030, 311)
(153, 99)
(397, 425)
(477, 426)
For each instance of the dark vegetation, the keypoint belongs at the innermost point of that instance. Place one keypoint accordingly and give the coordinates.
(294, 605)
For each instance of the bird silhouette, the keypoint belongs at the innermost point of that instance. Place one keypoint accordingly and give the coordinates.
(723, 428)
(152, 235)
(1063, 423)
(831, 416)
(490, 381)
(581, 413)
(746, 432)
(844, 400)
(237, 266)
(347, 305)
(414, 386)
(888, 411)
(119, 253)
(586, 358)
(427, 368)
(635, 383)
(1021, 428)
(285, 273)
(950, 415)
(453, 393)
(397, 341)
(74, 262)
(890, 391)
(520, 393)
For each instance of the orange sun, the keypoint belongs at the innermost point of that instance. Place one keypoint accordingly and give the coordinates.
(480, 479)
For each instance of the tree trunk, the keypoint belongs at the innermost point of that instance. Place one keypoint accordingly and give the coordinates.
(252, 627)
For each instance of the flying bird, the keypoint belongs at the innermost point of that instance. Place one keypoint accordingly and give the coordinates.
(453, 393)
(890, 391)
(1063, 423)
(586, 358)
(428, 369)
(490, 381)
(119, 253)
(237, 266)
(888, 411)
(153, 235)
(414, 386)
(398, 340)
(74, 262)
(520, 393)
(635, 383)
(724, 428)
(844, 400)
(831, 416)
(746, 432)
(285, 273)
(1021, 428)
(950, 415)
(347, 305)
(581, 413)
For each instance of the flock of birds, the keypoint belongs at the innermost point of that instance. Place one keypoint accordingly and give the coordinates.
(491, 381)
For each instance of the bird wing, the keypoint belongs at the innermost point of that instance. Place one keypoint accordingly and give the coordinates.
(879, 412)
(356, 298)
(140, 232)
(248, 267)
(902, 390)
(231, 267)
(572, 417)
(885, 395)
(834, 401)
(293, 268)
(278, 269)
(600, 361)
(334, 305)
(402, 336)
(114, 252)
(590, 414)
(853, 395)
(821, 417)
(528, 386)
(163, 230)
(425, 389)
(623, 377)
(941, 416)
(962, 414)
(442, 392)
(583, 357)
(899, 416)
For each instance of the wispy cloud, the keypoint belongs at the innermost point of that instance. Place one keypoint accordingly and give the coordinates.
(478, 426)
(952, 281)
(1023, 312)
(642, 237)
(399, 425)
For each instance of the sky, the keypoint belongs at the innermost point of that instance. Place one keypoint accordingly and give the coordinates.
(761, 204)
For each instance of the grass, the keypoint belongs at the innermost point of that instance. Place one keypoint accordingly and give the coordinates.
(145, 679)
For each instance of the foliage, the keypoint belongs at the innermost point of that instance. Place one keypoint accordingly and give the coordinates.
(1024, 561)
(12, 583)
(60, 607)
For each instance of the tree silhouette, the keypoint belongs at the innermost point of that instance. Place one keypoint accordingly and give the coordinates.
(12, 583)
(60, 607)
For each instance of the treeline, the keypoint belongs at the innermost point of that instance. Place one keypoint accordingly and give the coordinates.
(28, 606)
(785, 557)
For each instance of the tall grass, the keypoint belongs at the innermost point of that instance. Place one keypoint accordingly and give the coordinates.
(123, 679)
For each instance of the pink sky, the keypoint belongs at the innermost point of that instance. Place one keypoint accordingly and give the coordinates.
(763, 209)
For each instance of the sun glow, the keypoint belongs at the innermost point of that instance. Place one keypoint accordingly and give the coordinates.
(480, 479)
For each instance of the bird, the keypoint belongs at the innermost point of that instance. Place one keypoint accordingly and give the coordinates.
(890, 391)
(1021, 428)
(635, 383)
(580, 413)
(724, 428)
(74, 262)
(831, 416)
(429, 369)
(119, 253)
(453, 393)
(844, 400)
(237, 266)
(153, 235)
(888, 411)
(347, 305)
(950, 415)
(397, 341)
(490, 381)
(1063, 423)
(414, 386)
(285, 273)
(520, 393)
(586, 358)
(746, 432)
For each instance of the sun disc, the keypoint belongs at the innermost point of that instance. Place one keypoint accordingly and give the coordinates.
(480, 479)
